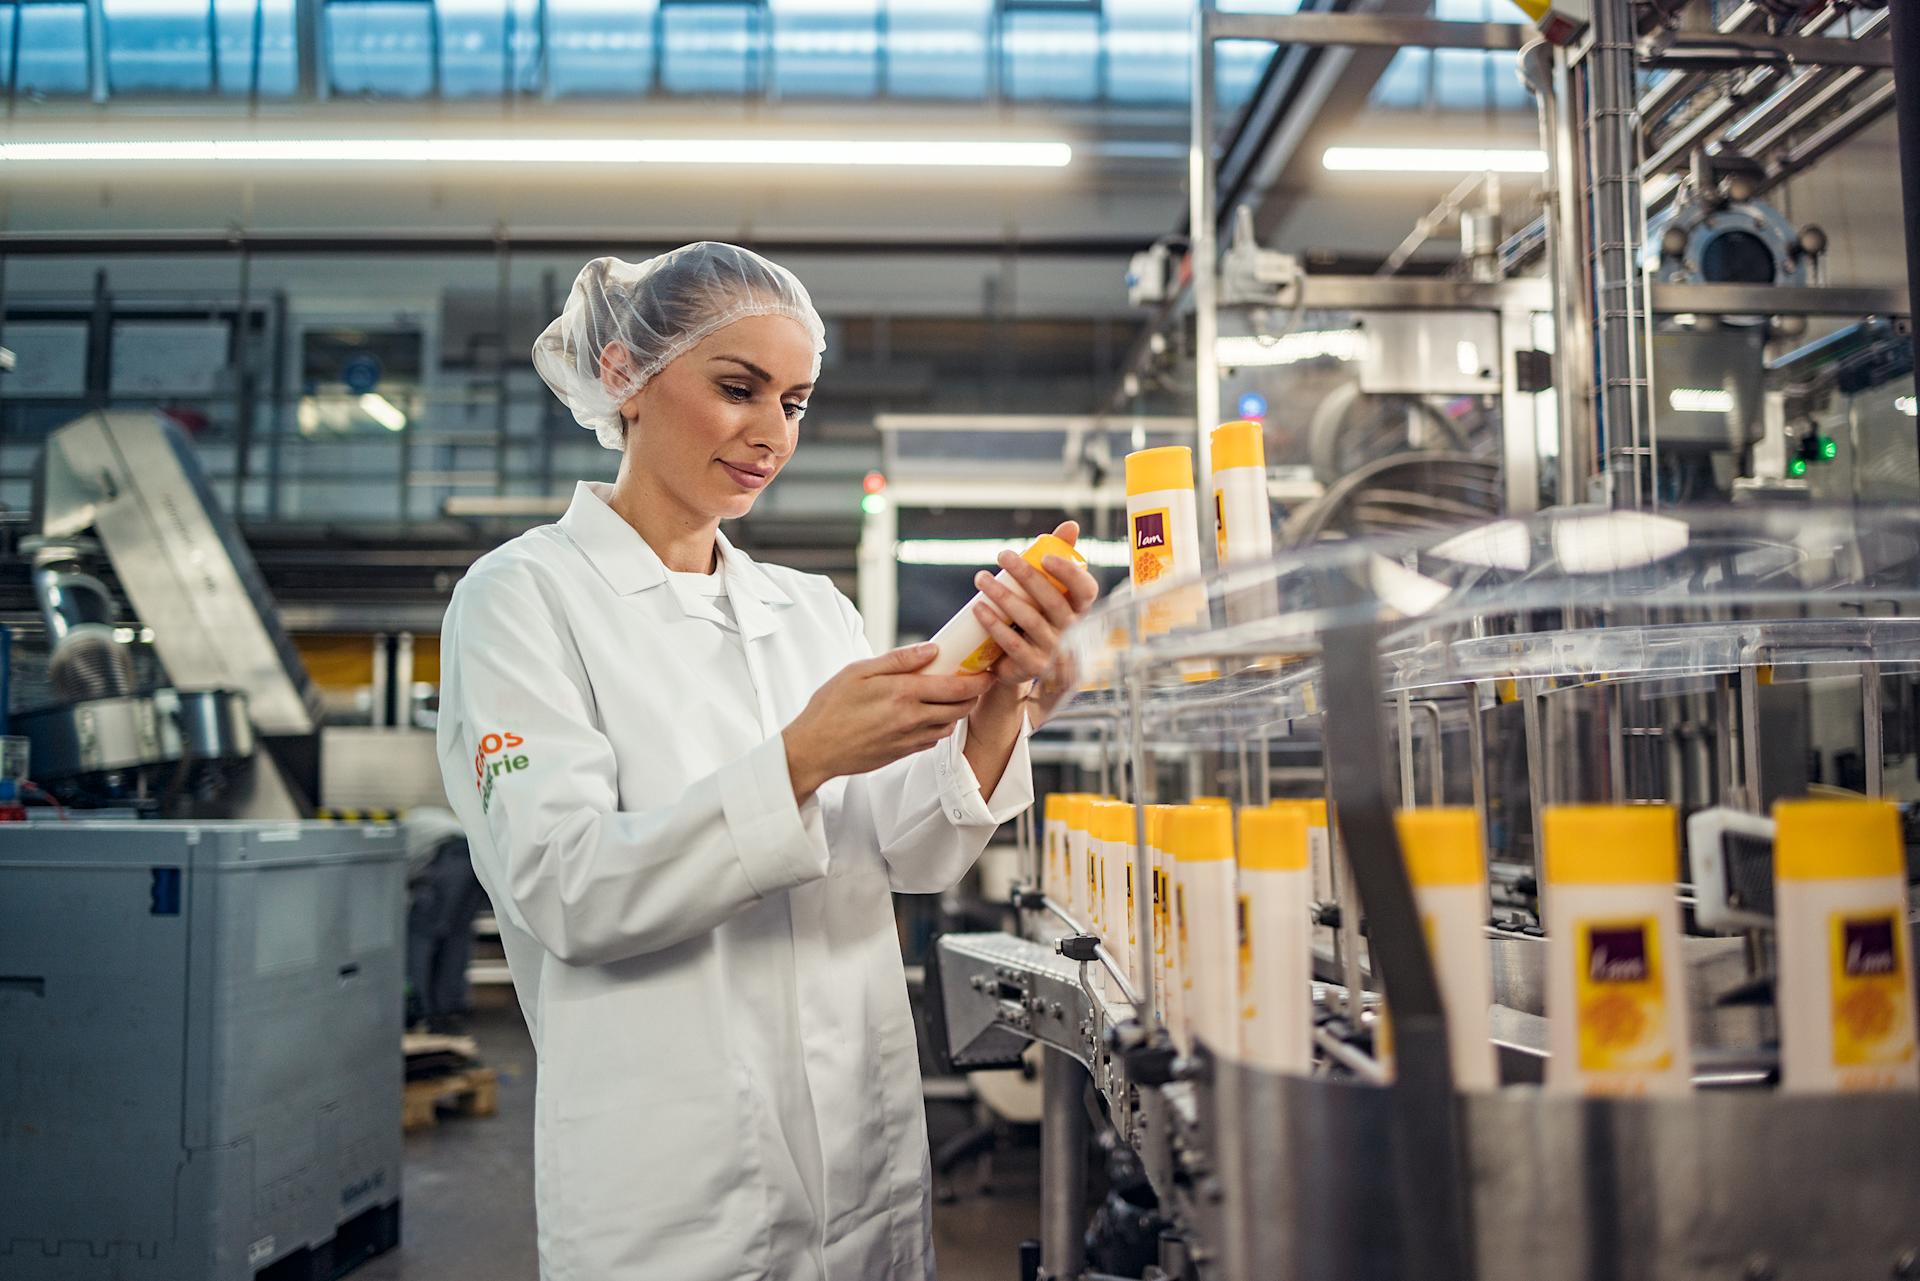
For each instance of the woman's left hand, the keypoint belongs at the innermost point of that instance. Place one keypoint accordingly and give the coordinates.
(1028, 628)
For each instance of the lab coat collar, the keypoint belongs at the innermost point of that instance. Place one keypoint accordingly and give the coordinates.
(630, 565)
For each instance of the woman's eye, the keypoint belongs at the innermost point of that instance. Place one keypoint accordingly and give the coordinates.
(795, 411)
(734, 391)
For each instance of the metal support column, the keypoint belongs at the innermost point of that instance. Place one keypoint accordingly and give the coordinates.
(1906, 88)
(1063, 1165)
(243, 392)
(309, 50)
(1203, 221)
(1544, 68)
(1618, 228)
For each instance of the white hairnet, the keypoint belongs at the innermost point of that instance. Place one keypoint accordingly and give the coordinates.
(658, 310)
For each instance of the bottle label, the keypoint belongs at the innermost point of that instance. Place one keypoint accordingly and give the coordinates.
(1621, 997)
(981, 659)
(1872, 1000)
(1131, 941)
(1159, 911)
(1093, 884)
(1180, 935)
(1220, 524)
(1152, 546)
(1244, 915)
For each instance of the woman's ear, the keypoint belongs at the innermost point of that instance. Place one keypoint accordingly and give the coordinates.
(616, 368)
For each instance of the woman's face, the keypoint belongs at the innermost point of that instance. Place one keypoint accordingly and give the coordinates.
(717, 425)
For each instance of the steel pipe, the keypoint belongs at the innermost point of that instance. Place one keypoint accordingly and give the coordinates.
(1906, 80)
(1063, 1165)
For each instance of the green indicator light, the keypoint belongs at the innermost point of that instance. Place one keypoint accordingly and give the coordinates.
(1829, 447)
(1798, 467)
(873, 504)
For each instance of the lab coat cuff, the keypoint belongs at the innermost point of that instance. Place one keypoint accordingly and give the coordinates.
(780, 844)
(960, 797)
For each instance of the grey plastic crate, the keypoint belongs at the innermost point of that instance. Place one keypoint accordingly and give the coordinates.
(200, 1067)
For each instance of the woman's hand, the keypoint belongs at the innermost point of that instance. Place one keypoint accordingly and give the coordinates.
(1028, 628)
(874, 712)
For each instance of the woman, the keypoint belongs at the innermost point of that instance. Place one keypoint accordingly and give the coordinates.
(690, 790)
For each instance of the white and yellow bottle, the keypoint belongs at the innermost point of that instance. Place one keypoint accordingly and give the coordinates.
(1319, 860)
(1164, 545)
(1616, 984)
(1113, 826)
(1446, 863)
(1093, 863)
(1243, 515)
(1161, 886)
(1076, 900)
(1053, 842)
(1203, 848)
(964, 643)
(1275, 962)
(1845, 970)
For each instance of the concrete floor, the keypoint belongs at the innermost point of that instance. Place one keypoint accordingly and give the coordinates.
(467, 1199)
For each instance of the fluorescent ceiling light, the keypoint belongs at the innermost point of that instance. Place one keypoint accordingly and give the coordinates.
(1434, 160)
(1700, 400)
(383, 411)
(1908, 405)
(738, 152)
(1287, 349)
(977, 553)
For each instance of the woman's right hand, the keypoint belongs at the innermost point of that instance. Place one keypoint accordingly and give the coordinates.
(874, 712)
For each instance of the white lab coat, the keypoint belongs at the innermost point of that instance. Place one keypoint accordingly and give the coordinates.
(729, 1087)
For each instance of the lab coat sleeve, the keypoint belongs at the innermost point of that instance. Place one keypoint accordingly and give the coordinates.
(592, 882)
(927, 808)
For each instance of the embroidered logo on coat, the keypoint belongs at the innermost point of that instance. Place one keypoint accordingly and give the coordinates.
(497, 756)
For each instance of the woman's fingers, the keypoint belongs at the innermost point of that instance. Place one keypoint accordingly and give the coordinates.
(1047, 598)
(1016, 609)
(1081, 585)
(1028, 659)
(961, 689)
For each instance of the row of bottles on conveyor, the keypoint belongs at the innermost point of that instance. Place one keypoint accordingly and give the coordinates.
(1232, 897)
(1233, 894)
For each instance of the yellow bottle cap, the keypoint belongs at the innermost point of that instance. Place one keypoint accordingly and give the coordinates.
(1316, 809)
(1157, 816)
(1240, 444)
(1273, 840)
(1202, 833)
(1832, 840)
(1054, 808)
(1610, 844)
(1079, 812)
(1442, 846)
(1152, 470)
(1116, 822)
(1221, 801)
(1049, 545)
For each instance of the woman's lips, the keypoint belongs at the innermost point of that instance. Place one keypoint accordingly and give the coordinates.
(745, 477)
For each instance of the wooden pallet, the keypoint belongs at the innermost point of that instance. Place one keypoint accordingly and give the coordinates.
(473, 1092)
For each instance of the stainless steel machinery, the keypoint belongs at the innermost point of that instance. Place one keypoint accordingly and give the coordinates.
(126, 490)
(1715, 657)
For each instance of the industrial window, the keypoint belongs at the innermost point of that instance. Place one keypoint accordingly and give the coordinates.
(712, 46)
(50, 39)
(827, 48)
(937, 48)
(599, 48)
(387, 48)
